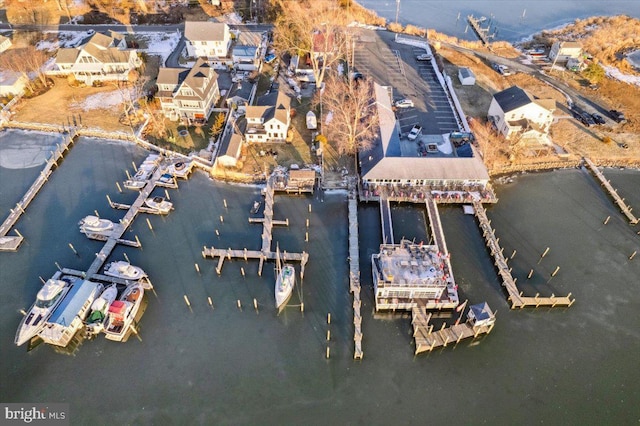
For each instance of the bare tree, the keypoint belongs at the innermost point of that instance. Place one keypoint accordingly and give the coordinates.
(313, 30)
(27, 61)
(352, 120)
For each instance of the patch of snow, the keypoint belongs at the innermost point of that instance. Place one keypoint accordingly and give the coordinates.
(161, 43)
(103, 100)
(615, 73)
(65, 39)
(233, 19)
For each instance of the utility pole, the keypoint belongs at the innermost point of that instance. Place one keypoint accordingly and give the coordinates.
(397, 10)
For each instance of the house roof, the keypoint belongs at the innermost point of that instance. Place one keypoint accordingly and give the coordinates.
(275, 105)
(465, 72)
(67, 55)
(100, 40)
(108, 55)
(234, 147)
(200, 79)
(250, 38)
(245, 51)
(512, 98)
(481, 311)
(173, 76)
(204, 30)
(384, 159)
(3, 39)
(9, 78)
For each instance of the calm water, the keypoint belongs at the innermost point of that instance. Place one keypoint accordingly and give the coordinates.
(507, 14)
(226, 366)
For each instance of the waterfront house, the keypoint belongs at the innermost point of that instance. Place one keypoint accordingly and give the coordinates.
(207, 39)
(517, 115)
(429, 161)
(562, 51)
(12, 83)
(186, 94)
(466, 76)
(101, 58)
(5, 43)
(269, 120)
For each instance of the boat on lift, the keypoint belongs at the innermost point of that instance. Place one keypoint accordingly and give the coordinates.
(122, 313)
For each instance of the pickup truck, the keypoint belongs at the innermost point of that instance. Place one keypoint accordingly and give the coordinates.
(415, 132)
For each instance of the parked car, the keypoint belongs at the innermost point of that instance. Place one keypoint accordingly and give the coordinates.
(424, 57)
(598, 118)
(404, 103)
(617, 116)
(269, 58)
(501, 69)
(587, 120)
(415, 132)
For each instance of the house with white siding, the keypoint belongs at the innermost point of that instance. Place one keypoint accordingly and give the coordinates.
(207, 39)
(269, 120)
(186, 94)
(562, 51)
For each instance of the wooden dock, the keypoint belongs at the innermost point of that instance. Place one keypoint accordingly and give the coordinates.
(262, 256)
(482, 33)
(11, 243)
(385, 219)
(427, 340)
(437, 234)
(508, 282)
(354, 274)
(624, 208)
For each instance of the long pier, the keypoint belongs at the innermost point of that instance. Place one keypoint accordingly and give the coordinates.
(11, 243)
(354, 274)
(482, 33)
(508, 282)
(624, 208)
(437, 233)
(427, 340)
(385, 218)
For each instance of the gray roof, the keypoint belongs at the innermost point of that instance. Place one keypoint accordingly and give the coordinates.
(173, 76)
(70, 306)
(245, 51)
(275, 105)
(512, 98)
(234, 147)
(205, 30)
(9, 78)
(481, 311)
(201, 79)
(67, 56)
(465, 72)
(384, 159)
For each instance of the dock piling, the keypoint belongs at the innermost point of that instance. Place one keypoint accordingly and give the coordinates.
(553, 274)
(135, 168)
(186, 300)
(210, 301)
(255, 305)
(221, 219)
(633, 255)
(138, 241)
(329, 314)
(309, 207)
(513, 254)
(328, 335)
(149, 224)
(73, 249)
(328, 349)
(242, 272)
(58, 266)
(41, 279)
(128, 175)
(239, 305)
(118, 186)
(217, 233)
(224, 201)
(197, 267)
(166, 194)
(607, 220)
(530, 274)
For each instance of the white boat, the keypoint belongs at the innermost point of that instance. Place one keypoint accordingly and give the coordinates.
(69, 315)
(94, 225)
(124, 270)
(255, 207)
(99, 307)
(48, 298)
(285, 281)
(122, 313)
(312, 122)
(159, 204)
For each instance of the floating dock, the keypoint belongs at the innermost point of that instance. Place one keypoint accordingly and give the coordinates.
(11, 243)
(354, 274)
(624, 208)
(508, 282)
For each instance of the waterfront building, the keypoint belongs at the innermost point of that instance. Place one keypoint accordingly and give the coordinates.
(101, 58)
(248, 50)
(562, 51)
(515, 113)
(231, 150)
(188, 94)
(269, 120)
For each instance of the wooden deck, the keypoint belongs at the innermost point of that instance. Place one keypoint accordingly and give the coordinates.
(427, 340)
(508, 282)
(624, 208)
(11, 243)
(354, 274)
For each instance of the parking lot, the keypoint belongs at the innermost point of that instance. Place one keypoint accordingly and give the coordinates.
(378, 56)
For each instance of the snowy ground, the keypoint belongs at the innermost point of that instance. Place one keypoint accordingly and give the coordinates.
(106, 100)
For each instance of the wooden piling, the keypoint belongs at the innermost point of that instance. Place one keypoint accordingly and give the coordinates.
(607, 220)
(197, 267)
(307, 222)
(239, 304)
(329, 314)
(633, 255)
(328, 349)
(73, 249)
(149, 224)
(166, 194)
(42, 279)
(242, 271)
(128, 175)
(553, 274)
(126, 257)
(224, 201)
(530, 274)
(221, 219)
(210, 301)
(118, 185)
(328, 335)
(135, 168)
(255, 304)
(109, 200)
(186, 300)
(217, 233)
(513, 254)
(306, 236)
(302, 307)
(138, 241)
(309, 207)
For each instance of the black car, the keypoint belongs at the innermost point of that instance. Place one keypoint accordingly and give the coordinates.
(598, 118)
(617, 116)
(587, 120)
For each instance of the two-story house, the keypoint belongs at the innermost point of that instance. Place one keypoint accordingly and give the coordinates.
(5, 43)
(515, 113)
(562, 51)
(101, 58)
(207, 39)
(188, 94)
(269, 121)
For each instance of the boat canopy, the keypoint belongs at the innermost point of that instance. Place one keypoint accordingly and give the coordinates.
(71, 305)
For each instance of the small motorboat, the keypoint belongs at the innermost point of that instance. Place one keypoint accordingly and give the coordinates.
(255, 207)
(124, 270)
(48, 298)
(159, 204)
(99, 308)
(94, 225)
(312, 122)
(122, 312)
(166, 178)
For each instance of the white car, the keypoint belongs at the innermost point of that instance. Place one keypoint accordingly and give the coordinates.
(415, 132)
(424, 57)
(404, 103)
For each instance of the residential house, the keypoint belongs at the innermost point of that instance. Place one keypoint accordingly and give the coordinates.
(101, 58)
(12, 83)
(515, 113)
(5, 43)
(248, 51)
(269, 121)
(562, 51)
(188, 94)
(207, 39)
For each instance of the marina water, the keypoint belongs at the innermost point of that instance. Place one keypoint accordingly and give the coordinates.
(514, 19)
(230, 366)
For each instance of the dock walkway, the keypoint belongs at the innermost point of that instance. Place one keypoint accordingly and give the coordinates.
(437, 233)
(508, 282)
(11, 243)
(354, 274)
(385, 218)
(624, 208)
(427, 340)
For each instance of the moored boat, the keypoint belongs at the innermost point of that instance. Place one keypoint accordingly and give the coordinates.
(94, 225)
(122, 312)
(285, 281)
(124, 270)
(159, 204)
(69, 315)
(47, 299)
(99, 307)
(255, 207)
(312, 122)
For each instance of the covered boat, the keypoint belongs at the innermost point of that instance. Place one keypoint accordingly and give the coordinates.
(122, 312)
(47, 299)
(94, 225)
(99, 308)
(124, 270)
(159, 204)
(312, 122)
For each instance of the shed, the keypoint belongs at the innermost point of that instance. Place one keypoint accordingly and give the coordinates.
(466, 76)
(481, 315)
(231, 155)
(302, 180)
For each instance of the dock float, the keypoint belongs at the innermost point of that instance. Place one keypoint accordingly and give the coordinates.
(12, 242)
(508, 282)
(624, 208)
